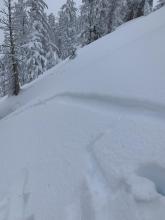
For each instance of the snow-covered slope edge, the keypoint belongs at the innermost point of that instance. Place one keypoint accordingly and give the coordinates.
(89, 143)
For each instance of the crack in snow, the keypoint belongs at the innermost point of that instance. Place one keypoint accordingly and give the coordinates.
(103, 104)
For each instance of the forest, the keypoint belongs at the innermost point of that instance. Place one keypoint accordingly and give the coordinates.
(35, 41)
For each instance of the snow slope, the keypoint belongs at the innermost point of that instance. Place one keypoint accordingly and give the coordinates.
(86, 140)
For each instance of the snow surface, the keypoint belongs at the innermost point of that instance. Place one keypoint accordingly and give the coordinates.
(86, 140)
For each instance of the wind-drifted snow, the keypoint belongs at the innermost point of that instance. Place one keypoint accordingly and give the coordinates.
(86, 140)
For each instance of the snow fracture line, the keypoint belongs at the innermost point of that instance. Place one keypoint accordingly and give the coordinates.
(103, 103)
(106, 103)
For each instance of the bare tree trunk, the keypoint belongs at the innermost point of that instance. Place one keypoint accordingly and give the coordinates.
(15, 74)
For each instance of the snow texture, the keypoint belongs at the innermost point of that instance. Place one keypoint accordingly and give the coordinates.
(86, 140)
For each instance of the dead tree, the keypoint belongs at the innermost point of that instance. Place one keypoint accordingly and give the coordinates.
(7, 22)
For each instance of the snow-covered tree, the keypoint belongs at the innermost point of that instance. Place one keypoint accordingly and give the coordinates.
(67, 29)
(137, 8)
(36, 60)
(100, 17)
(114, 14)
(21, 20)
(148, 7)
(90, 31)
(160, 4)
(41, 52)
(101, 13)
(21, 35)
(3, 75)
(54, 31)
(125, 10)
(52, 25)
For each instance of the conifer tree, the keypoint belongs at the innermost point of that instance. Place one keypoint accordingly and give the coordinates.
(21, 35)
(40, 49)
(160, 4)
(11, 47)
(67, 29)
(89, 22)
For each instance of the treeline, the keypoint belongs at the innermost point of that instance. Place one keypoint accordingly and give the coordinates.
(34, 41)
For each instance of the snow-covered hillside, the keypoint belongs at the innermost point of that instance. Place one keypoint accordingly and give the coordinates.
(86, 141)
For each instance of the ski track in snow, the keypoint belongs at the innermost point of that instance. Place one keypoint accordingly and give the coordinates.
(98, 192)
(102, 104)
(95, 189)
